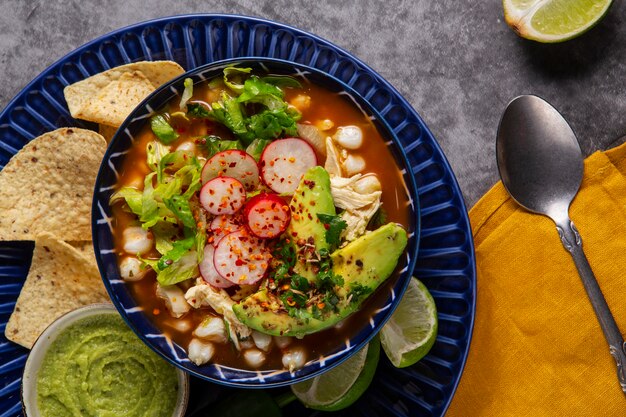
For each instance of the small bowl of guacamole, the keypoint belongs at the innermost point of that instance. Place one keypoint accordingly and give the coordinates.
(89, 363)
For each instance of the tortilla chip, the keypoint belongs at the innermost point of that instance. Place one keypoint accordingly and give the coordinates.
(48, 186)
(60, 280)
(107, 132)
(114, 102)
(86, 249)
(81, 94)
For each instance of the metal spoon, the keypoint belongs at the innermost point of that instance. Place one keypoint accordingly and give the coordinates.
(541, 167)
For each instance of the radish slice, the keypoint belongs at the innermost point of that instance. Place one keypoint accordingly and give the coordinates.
(241, 258)
(232, 163)
(222, 195)
(208, 272)
(267, 215)
(223, 225)
(284, 162)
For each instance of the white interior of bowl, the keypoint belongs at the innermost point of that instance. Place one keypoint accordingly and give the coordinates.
(38, 352)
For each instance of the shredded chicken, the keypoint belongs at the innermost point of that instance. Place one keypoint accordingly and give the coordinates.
(357, 221)
(359, 203)
(174, 299)
(346, 197)
(332, 164)
(203, 294)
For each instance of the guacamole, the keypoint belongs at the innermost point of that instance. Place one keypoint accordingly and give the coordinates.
(98, 367)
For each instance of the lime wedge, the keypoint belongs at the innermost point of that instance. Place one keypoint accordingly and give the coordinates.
(411, 331)
(553, 20)
(343, 385)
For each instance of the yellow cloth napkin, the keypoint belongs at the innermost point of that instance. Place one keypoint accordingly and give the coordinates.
(537, 347)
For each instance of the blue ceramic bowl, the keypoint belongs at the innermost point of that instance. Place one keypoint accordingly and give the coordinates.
(107, 259)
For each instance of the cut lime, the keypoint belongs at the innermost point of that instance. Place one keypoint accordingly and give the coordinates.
(553, 20)
(411, 331)
(343, 385)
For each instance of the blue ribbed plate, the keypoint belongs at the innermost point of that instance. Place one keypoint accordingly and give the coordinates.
(446, 261)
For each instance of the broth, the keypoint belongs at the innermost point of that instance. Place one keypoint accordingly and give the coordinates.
(325, 105)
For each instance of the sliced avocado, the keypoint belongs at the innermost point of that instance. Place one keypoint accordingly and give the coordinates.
(256, 312)
(370, 259)
(364, 264)
(312, 197)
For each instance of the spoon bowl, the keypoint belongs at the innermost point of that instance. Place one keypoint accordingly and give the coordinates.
(539, 158)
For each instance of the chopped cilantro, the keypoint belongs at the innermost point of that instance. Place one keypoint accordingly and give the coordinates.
(326, 278)
(286, 252)
(334, 226)
(300, 283)
(358, 292)
(198, 111)
(292, 300)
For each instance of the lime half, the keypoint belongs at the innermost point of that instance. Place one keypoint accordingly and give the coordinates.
(343, 385)
(553, 20)
(411, 331)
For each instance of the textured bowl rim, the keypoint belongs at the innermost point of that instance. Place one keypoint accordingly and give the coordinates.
(28, 391)
(397, 151)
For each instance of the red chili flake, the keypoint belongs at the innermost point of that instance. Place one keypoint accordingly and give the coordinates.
(232, 165)
(239, 262)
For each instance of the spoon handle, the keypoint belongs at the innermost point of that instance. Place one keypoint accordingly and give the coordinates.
(573, 244)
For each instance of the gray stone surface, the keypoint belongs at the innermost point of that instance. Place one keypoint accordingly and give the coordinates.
(456, 61)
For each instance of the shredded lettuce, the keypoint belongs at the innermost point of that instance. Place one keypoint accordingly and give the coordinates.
(233, 78)
(149, 206)
(164, 206)
(178, 250)
(179, 205)
(164, 235)
(255, 149)
(132, 196)
(200, 242)
(229, 112)
(282, 81)
(257, 91)
(162, 129)
(187, 93)
(172, 162)
(214, 144)
(155, 150)
(184, 268)
(269, 124)
(272, 117)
